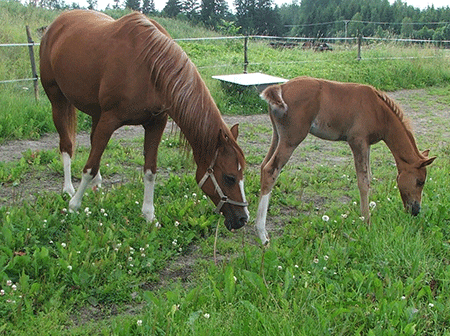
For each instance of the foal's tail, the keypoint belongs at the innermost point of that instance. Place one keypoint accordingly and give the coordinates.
(273, 95)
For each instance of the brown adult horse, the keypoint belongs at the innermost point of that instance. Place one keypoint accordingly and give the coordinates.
(130, 72)
(358, 114)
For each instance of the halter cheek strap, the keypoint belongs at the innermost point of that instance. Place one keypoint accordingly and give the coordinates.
(223, 198)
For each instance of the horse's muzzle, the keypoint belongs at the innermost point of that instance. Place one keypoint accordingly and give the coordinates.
(236, 222)
(415, 208)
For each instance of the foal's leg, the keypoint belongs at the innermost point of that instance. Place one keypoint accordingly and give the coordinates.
(106, 126)
(361, 153)
(153, 134)
(286, 139)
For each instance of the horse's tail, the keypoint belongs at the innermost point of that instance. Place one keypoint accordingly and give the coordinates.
(273, 95)
(72, 122)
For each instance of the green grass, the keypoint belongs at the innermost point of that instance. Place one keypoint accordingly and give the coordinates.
(106, 271)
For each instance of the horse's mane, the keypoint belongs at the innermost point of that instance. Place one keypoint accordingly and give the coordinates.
(398, 112)
(174, 75)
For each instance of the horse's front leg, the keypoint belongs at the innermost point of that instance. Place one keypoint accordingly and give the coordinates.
(361, 153)
(153, 133)
(102, 133)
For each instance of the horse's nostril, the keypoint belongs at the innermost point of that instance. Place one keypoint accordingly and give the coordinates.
(415, 208)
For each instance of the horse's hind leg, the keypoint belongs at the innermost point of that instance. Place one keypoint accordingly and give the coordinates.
(64, 118)
(153, 133)
(106, 126)
(361, 152)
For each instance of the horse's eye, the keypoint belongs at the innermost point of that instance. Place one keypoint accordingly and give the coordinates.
(229, 180)
(420, 183)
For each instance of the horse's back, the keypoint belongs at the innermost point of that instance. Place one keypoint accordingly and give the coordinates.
(335, 110)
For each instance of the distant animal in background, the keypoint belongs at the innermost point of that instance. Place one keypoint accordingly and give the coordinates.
(355, 113)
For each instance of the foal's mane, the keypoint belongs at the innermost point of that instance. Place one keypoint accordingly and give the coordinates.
(172, 73)
(398, 112)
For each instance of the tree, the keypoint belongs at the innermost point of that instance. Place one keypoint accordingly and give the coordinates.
(213, 11)
(133, 4)
(148, 6)
(407, 28)
(172, 8)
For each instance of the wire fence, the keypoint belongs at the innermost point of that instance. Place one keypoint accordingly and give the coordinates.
(356, 40)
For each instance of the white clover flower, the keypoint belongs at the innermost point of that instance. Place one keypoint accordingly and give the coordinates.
(206, 315)
(372, 205)
(403, 297)
(344, 216)
(157, 225)
(102, 210)
(2, 292)
(431, 305)
(325, 218)
(316, 260)
(325, 257)
(141, 249)
(137, 202)
(139, 323)
(296, 266)
(69, 267)
(280, 268)
(9, 283)
(177, 223)
(63, 244)
(143, 255)
(362, 218)
(130, 258)
(194, 195)
(14, 287)
(174, 242)
(235, 279)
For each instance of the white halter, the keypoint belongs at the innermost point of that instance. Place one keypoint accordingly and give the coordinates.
(223, 198)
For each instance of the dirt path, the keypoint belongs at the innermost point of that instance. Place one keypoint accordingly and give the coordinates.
(430, 120)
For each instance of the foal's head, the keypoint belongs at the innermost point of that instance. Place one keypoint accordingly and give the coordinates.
(410, 182)
(223, 181)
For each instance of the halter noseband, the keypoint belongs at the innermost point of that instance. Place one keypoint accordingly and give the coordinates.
(223, 198)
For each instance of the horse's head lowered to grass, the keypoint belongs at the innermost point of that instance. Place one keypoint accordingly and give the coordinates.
(410, 181)
(223, 180)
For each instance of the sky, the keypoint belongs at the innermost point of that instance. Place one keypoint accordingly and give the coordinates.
(159, 4)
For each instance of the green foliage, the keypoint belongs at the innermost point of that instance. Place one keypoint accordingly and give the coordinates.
(106, 271)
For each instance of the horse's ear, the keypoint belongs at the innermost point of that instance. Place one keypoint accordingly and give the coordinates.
(426, 162)
(223, 138)
(235, 131)
(426, 152)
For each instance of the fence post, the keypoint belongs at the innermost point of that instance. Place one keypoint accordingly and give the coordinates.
(359, 47)
(245, 54)
(33, 63)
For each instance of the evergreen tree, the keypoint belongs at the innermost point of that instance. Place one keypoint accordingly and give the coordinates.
(172, 8)
(148, 6)
(133, 4)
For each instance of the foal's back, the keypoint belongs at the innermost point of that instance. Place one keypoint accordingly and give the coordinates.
(335, 111)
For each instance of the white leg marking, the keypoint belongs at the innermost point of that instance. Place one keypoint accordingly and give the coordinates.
(261, 219)
(67, 186)
(97, 181)
(241, 186)
(75, 202)
(148, 209)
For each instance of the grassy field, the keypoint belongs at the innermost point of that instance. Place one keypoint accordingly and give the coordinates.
(105, 271)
